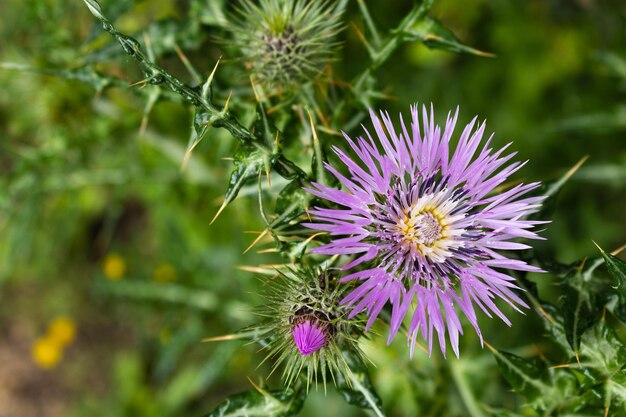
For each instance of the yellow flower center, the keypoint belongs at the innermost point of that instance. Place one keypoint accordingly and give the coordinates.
(422, 229)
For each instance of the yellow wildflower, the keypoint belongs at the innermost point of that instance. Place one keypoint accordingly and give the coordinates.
(114, 266)
(62, 330)
(46, 352)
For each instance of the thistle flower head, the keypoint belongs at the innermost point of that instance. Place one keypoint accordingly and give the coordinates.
(285, 42)
(306, 328)
(424, 225)
(309, 336)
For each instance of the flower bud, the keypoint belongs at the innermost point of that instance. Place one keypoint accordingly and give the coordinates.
(285, 42)
(307, 330)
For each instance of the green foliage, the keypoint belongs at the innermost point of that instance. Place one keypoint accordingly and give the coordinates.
(77, 183)
(617, 269)
(261, 403)
(357, 389)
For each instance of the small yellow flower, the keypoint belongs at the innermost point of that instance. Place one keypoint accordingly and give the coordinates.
(114, 266)
(46, 352)
(62, 330)
(164, 273)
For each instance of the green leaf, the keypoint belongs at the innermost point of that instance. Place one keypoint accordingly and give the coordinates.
(525, 376)
(617, 269)
(434, 35)
(553, 324)
(602, 350)
(358, 389)
(261, 403)
(292, 202)
(604, 355)
(249, 162)
(581, 305)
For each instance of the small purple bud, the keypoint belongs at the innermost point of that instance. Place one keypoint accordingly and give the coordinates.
(308, 337)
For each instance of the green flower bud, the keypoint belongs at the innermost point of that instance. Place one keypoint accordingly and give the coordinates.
(285, 42)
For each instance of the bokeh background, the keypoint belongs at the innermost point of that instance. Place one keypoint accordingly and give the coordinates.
(110, 274)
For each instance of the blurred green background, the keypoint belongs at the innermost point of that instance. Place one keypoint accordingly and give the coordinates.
(110, 274)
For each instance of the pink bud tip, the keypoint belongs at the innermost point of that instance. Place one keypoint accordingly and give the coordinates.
(308, 337)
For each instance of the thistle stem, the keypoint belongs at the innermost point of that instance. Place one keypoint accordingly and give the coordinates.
(217, 117)
(456, 370)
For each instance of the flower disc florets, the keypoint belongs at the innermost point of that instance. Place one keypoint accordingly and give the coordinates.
(306, 327)
(424, 223)
(285, 42)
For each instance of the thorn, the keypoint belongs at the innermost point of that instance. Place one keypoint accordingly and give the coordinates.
(186, 158)
(256, 95)
(310, 238)
(276, 140)
(320, 115)
(267, 174)
(315, 138)
(565, 365)
(618, 250)
(220, 338)
(256, 270)
(227, 101)
(256, 387)
(615, 252)
(259, 237)
(187, 64)
(474, 50)
(577, 359)
(207, 84)
(361, 36)
(228, 158)
(575, 168)
(270, 250)
(606, 411)
(210, 79)
(219, 212)
(545, 314)
(490, 347)
(144, 82)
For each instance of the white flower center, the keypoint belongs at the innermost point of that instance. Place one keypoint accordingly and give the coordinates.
(428, 226)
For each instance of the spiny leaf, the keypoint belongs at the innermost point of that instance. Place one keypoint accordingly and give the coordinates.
(358, 390)
(292, 202)
(435, 36)
(617, 269)
(605, 356)
(581, 305)
(261, 403)
(249, 162)
(525, 376)
(602, 350)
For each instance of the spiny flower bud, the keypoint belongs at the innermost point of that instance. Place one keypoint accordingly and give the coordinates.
(306, 328)
(285, 42)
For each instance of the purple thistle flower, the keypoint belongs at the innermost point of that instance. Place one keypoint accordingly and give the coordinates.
(425, 223)
(308, 337)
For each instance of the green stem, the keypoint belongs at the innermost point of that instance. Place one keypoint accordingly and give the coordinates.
(393, 41)
(456, 370)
